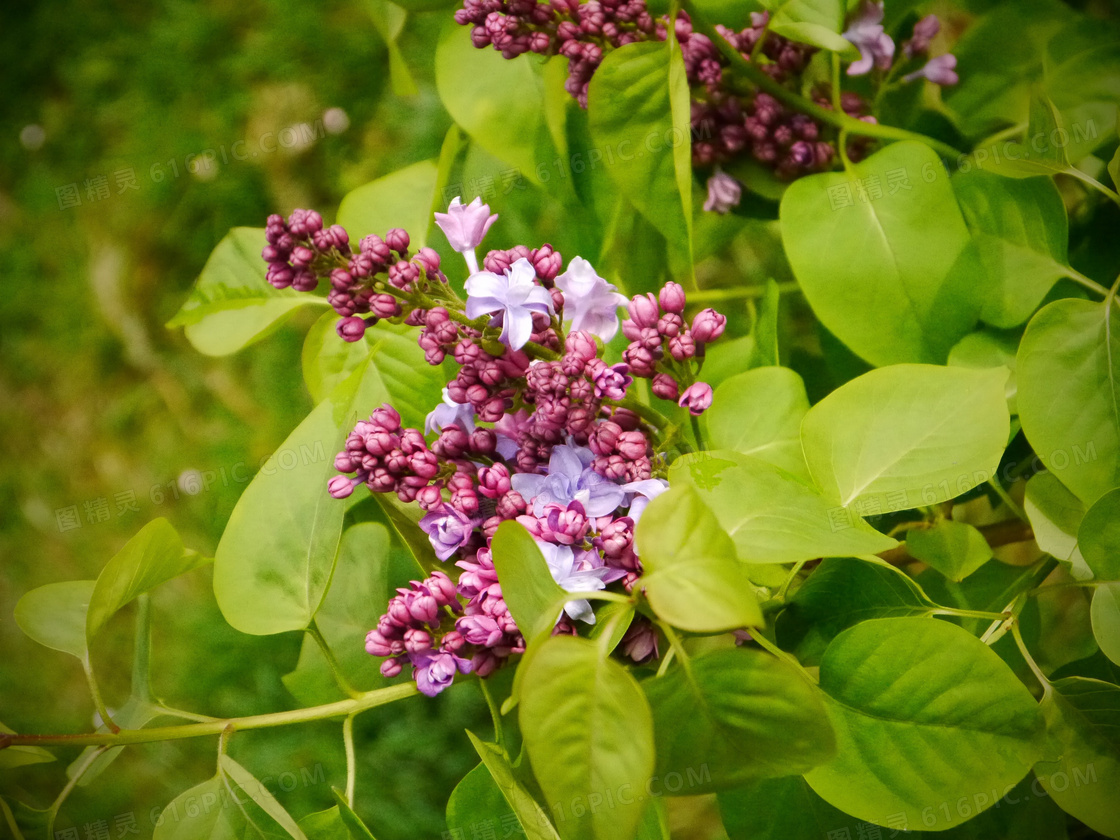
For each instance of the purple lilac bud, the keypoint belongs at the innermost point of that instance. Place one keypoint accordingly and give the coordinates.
(724, 193)
(351, 329)
(665, 387)
(644, 310)
(940, 71)
(925, 31)
(707, 326)
(696, 398)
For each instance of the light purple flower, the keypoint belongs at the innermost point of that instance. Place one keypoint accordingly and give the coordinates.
(940, 71)
(589, 300)
(866, 32)
(434, 670)
(582, 573)
(465, 227)
(449, 412)
(724, 193)
(447, 530)
(643, 492)
(508, 429)
(569, 479)
(515, 295)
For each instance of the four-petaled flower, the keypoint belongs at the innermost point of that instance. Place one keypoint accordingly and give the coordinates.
(589, 300)
(585, 573)
(448, 529)
(449, 412)
(866, 32)
(940, 71)
(515, 295)
(569, 479)
(434, 670)
(465, 227)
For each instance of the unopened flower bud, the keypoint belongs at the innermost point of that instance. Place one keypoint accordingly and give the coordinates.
(672, 298)
(351, 329)
(707, 326)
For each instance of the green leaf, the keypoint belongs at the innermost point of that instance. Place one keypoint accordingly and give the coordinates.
(353, 822)
(759, 413)
(1099, 536)
(589, 735)
(633, 110)
(1069, 394)
(1055, 515)
(740, 715)
(692, 577)
(530, 815)
(770, 515)
(907, 435)
(155, 555)
(325, 825)
(477, 805)
(924, 713)
(426, 5)
(1082, 68)
(54, 615)
(327, 360)
(135, 713)
(405, 519)
(986, 349)
(1083, 723)
(529, 590)
(877, 261)
(1020, 231)
(231, 304)
(764, 349)
(814, 22)
(842, 592)
(782, 809)
(260, 795)
(205, 812)
(401, 199)
(21, 755)
(499, 103)
(356, 599)
(956, 549)
(1114, 169)
(1105, 616)
(388, 19)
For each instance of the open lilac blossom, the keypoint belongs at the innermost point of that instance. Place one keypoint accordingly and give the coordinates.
(515, 295)
(940, 71)
(465, 227)
(643, 492)
(875, 46)
(582, 573)
(434, 670)
(724, 193)
(449, 412)
(590, 301)
(448, 530)
(569, 479)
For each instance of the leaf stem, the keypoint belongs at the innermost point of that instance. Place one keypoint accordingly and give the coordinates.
(361, 703)
(495, 715)
(760, 80)
(750, 292)
(651, 415)
(52, 812)
(991, 616)
(351, 762)
(700, 442)
(95, 692)
(1038, 675)
(603, 595)
(1088, 283)
(773, 649)
(336, 670)
(1012, 505)
(142, 652)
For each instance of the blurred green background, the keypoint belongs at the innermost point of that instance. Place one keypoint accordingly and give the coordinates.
(110, 420)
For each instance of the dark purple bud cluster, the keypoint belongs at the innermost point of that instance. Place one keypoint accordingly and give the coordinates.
(301, 252)
(662, 345)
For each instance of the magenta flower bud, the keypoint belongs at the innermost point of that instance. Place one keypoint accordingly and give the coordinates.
(397, 239)
(492, 410)
(639, 359)
(581, 344)
(381, 480)
(612, 467)
(682, 346)
(429, 497)
(493, 481)
(381, 443)
(442, 588)
(483, 441)
(384, 306)
(386, 418)
(707, 326)
(344, 463)
(617, 536)
(351, 329)
(452, 442)
(428, 259)
(465, 227)
(302, 257)
(341, 279)
(511, 505)
(669, 325)
(632, 445)
(377, 644)
(611, 382)
(398, 612)
(696, 398)
(672, 298)
(279, 275)
(391, 668)
(375, 248)
(643, 310)
(452, 642)
(340, 486)
(545, 260)
(424, 609)
(604, 437)
(424, 465)
(416, 640)
(304, 281)
(412, 441)
(665, 387)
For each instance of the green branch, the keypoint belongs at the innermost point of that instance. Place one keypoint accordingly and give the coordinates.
(842, 121)
(364, 702)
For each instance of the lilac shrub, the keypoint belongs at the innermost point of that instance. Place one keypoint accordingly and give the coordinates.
(535, 426)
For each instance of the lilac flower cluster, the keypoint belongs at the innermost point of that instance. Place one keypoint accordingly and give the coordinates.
(726, 124)
(535, 426)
